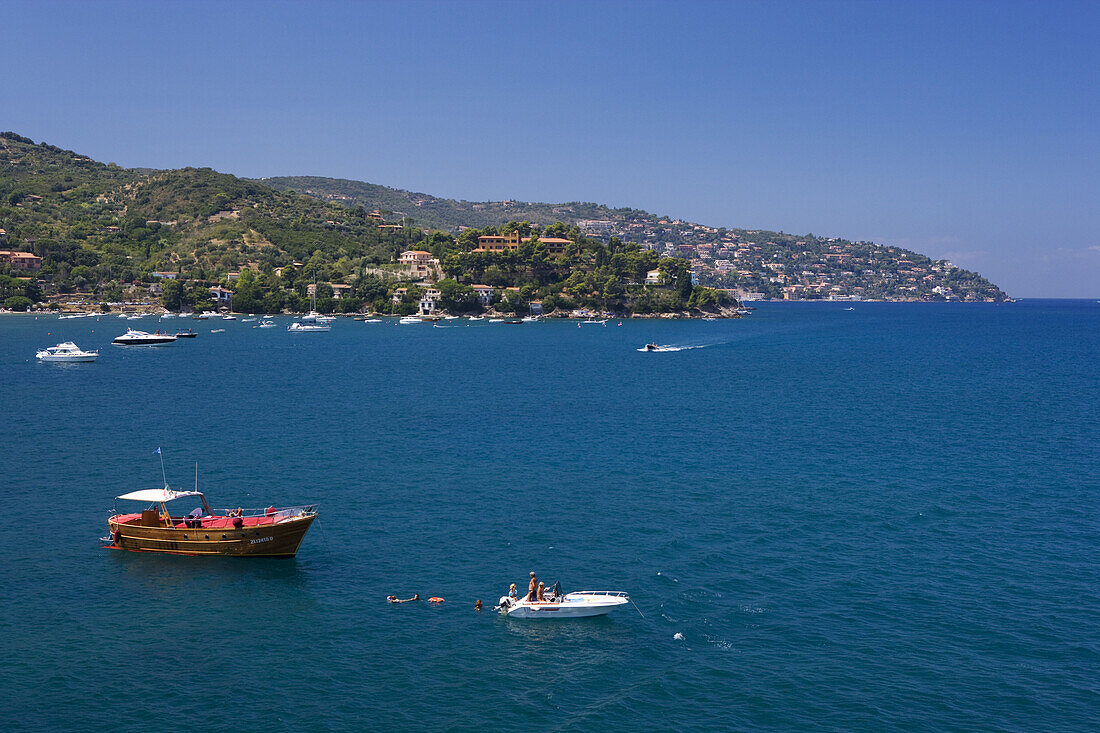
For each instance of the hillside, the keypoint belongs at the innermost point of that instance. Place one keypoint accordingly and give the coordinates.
(756, 263)
(98, 233)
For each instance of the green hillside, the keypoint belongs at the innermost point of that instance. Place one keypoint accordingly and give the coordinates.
(758, 263)
(106, 233)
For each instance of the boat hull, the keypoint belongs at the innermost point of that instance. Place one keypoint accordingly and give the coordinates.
(266, 540)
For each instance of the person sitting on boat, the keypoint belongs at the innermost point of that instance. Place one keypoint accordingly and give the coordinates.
(532, 587)
(539, 594)
(194, 519)
(512, 592)
(238, 512)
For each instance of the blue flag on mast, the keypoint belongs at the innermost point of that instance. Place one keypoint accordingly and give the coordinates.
(156, 451)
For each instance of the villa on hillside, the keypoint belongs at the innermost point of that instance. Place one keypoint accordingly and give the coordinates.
(418, 262)
(555, 246)
(22, 261)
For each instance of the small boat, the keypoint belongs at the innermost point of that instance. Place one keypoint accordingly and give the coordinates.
(268, 532)
(513, 322)
(299, 327)
(409, 320)
(143, 338)
(66, 351)
(373, 320)
(496, 320)
(594, 321)
(167, 315)
(229, 318)
(450, 318)
(579, 604)
(217, 330)
(530, 319)
(849, 309)
(477, 318)
(652, 347)
(188, 334)
(267, 323)
(248, 320)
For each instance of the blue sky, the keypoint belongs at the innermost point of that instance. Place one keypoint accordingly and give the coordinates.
(961, 130)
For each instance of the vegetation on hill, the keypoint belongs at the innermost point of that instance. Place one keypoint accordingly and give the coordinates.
(105, 233)
(768, 264)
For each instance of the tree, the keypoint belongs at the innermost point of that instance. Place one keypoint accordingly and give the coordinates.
(18, 303)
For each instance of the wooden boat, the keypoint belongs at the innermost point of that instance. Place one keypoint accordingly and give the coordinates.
(270, 532)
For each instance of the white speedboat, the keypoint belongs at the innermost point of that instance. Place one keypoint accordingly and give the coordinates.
(229, 318)
(579, 604)
(477, 318)
(143, 338)
(595, 322)
(299, 327)
(66, 351)
(407, 320)
(373, 320)
(530, 319)
(267, 323)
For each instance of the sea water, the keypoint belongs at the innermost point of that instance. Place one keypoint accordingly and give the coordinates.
(883, 518)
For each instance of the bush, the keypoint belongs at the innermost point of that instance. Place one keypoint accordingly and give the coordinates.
(18, 303)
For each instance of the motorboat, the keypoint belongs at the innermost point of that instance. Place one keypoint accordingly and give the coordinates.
(530, 319)
(229, 318)
(578, 604)
(217, 330)
(477, 318)
(652, 347)
(409, 320)
(594, 321)
(450, 318)
(299, 327)
(188, 334)
(267, 532)
(373, 320)
(267, 323)
(144, 338)
(66, 351)
(315, 317)
(513, 322)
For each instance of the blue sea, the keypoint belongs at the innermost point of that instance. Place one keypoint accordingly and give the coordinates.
(879, 519)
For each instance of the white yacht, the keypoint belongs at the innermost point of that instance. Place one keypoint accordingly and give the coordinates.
(66, 351)
(298, 327)
(143, 338)
(408, 320)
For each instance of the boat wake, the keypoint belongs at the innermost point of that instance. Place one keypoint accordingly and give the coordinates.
(676, 348)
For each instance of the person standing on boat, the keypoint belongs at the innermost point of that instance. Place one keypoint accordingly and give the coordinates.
(532, 587)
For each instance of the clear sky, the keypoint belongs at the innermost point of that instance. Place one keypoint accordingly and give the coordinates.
(963, 130)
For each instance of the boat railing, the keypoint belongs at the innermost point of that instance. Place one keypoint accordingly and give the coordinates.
(279, 513)
(610, 593)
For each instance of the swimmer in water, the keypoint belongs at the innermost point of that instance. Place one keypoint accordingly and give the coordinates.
(477, 606)
(395, 599)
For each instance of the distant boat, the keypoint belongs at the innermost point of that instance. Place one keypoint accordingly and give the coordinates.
(217, 330)
(267, 323)
(513, 322)
(298, 327)
(849, 308)
(248, 320)
(373, 320)
(477, 318)
(66, 351)
(594, 321)
(188, 334)
(409, 320)
(229, 318)
(530, 319)
(652, 347)
(143, 338)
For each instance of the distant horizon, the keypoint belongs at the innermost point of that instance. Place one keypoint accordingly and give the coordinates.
(961, 131)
